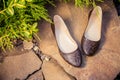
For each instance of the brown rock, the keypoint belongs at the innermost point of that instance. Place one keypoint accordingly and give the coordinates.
(36, 76)
(20, 66)
(53, 71)
(98, 67)
(27, 45)
(1, 58)
(105, 64)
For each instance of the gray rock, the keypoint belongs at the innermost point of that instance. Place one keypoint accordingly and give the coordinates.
(20, 66)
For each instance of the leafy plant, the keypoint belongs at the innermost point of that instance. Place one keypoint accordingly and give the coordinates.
(18, 20)
(82, 3)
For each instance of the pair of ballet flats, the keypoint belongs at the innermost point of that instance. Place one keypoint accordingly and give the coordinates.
(68, 47)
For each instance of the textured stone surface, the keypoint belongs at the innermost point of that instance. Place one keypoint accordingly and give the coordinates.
(27, 45)
(19, 66)
(105, 64)
(36, 76)
(52, 71)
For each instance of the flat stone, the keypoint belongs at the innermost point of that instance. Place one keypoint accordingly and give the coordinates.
(102, 66)
(36, 76)
(27, 45)
(53, 71)
(19, 66)
(99, 67)
(1, 59)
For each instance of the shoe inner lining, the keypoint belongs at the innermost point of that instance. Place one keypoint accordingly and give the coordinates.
(64, 40)
(93, 30)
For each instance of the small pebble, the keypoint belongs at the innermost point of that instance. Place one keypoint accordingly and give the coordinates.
(47, 58)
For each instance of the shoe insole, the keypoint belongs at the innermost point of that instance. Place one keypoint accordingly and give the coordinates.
(93, 30)
(64, 40)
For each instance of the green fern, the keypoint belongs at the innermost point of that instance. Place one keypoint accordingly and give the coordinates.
(18, 19)
(82, 3)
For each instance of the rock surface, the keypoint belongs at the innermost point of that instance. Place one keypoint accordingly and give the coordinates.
(27, 45)
(102, 66)
(19, 66)
(105, 64)
(53, 71)
(36, 76)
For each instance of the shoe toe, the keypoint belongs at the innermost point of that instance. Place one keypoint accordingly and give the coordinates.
(73, 58)
(90, 47)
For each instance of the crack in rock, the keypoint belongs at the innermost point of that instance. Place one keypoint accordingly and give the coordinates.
(33, 76)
